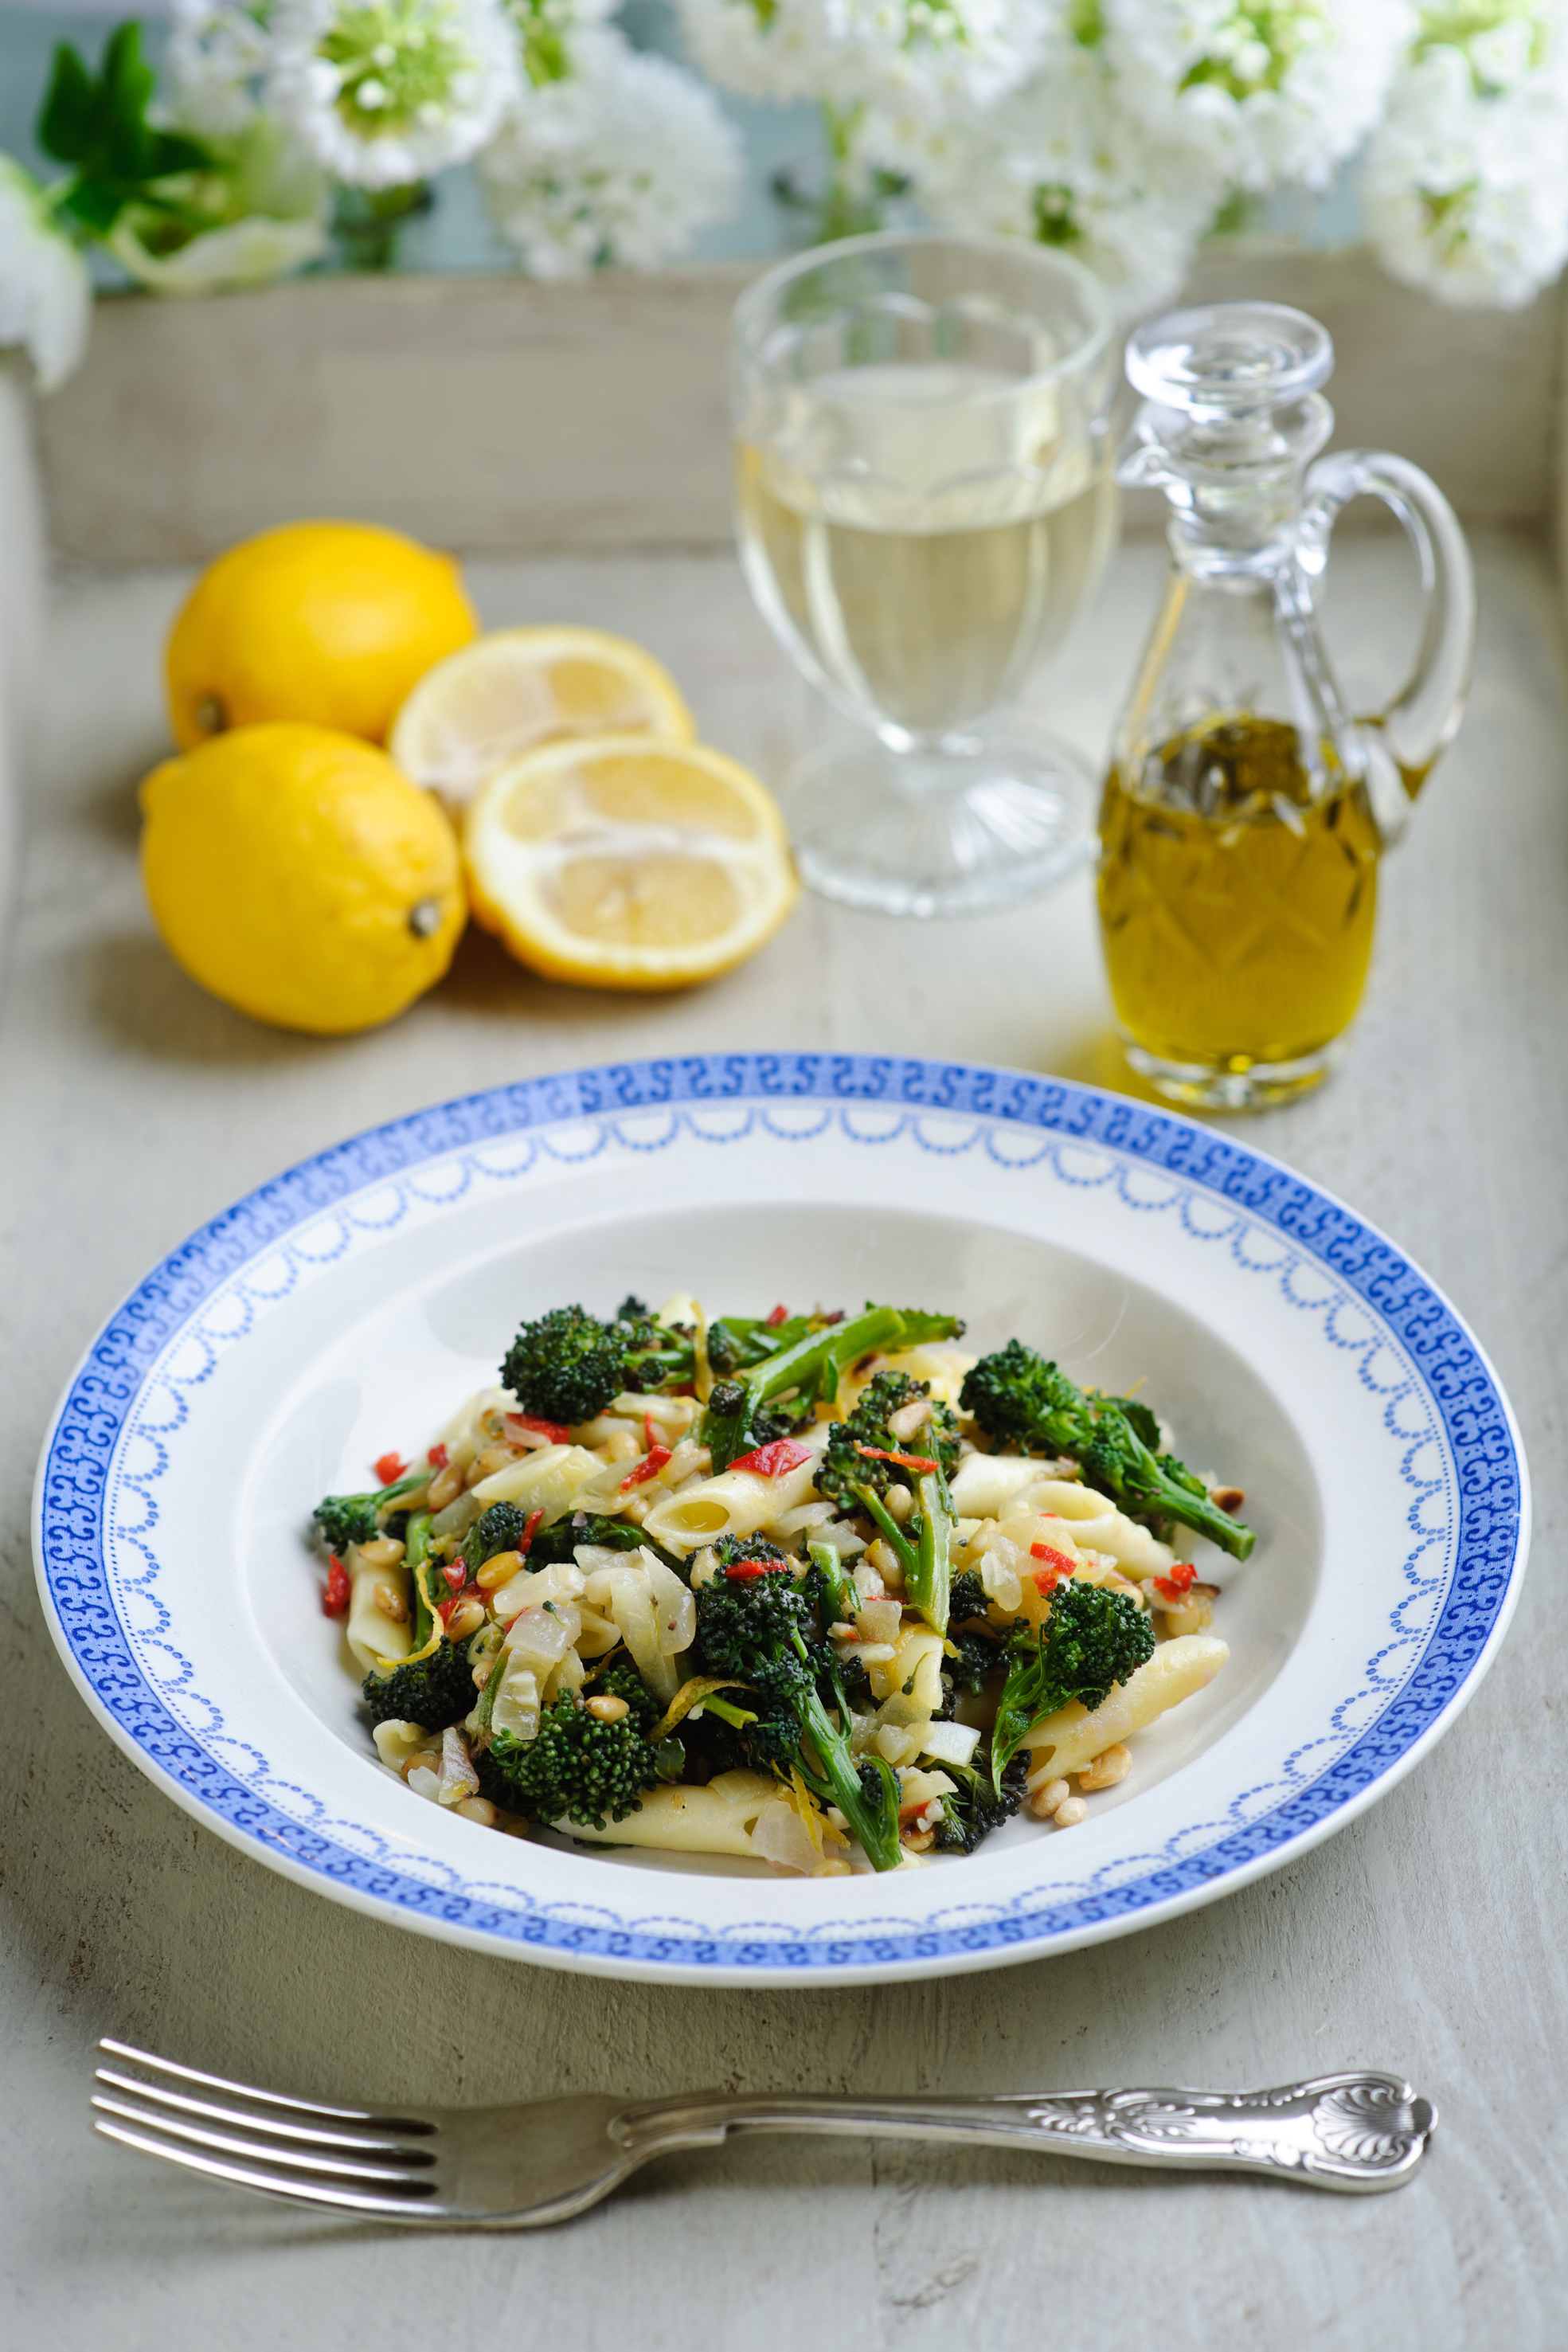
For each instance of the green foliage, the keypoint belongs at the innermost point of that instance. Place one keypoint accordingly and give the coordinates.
(576, 1769)
(794, 1377)
(98, 124)
(1091, 1641)
(433, 1691)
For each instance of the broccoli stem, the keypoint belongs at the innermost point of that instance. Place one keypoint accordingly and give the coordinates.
(930, 1583)
(841, 1594)
(1156, 1487)
(839, 1782)
(892, 1535)
(415, 1558)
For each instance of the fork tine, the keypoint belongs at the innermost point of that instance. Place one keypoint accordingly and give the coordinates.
(271, 2184)
(361, 2143)
(157, 2065)
(331, 2168)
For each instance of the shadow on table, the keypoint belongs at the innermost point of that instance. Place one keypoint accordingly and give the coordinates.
(136, 995)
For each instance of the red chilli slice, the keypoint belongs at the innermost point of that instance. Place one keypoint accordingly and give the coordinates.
(650, 1468)
(919, 1462)
(456, 1571)
(389, 1468)
(742, 1571)
(335, 1599)
(556, 1431)
(773, 1460)
(1176, 1587)
(526, 1540)
(780, 1315)
(438, 1457)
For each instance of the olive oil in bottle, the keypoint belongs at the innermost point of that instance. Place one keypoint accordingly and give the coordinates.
(1237, 897)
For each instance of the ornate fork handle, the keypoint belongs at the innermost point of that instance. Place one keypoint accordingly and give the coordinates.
(1354, 2132)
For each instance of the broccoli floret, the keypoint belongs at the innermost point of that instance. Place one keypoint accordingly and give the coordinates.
(501, 1527)
(560, 1542)
(568, 1365)
(737, 1416)
(1091, 1641)
(967, 1599)
(345, 1519)
(845, 1469)
(433, 1690)
(760, 1628)
(1156, 1486)
(1016, 1396)
(621, 1680)
(576, 1769)
(979, 1807)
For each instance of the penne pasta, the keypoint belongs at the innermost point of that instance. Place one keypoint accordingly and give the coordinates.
(736, 1503)
(374, 1637)
(1071, 1738)
(718, 1819)
(550, 1479)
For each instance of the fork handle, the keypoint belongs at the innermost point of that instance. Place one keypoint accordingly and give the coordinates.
(1352, 2132)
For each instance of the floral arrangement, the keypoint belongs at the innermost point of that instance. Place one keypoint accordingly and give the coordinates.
(1124, 131)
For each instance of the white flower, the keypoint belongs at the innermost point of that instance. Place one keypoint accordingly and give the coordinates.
(1069, 161)
(1465, 185)
(622, 161)
(46, 294)
(1282, 89)
(919, 54)
(216, 55)
(386, 92)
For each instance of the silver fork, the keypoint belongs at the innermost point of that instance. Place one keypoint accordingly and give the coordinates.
(521, 2168)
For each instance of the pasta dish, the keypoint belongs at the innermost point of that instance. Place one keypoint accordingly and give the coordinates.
(821, 1591)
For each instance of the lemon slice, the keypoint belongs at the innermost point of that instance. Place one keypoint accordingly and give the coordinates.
(515, 687)
(619, 862)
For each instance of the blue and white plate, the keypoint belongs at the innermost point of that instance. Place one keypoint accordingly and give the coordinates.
(346, 1308)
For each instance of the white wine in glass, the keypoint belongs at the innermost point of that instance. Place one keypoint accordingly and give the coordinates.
(923, 504)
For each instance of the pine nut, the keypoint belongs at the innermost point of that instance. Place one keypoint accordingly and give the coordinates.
(467, 1618)
(477, 1808)
(499, 1569)
(1045, 1801)
(494, 1458)
(606, 1707)
(919, 1840)
(1227, 1498)
(384, 1552)
(1068, 1815)
(1112, 1764)
(391, 1603)
(445, 1488)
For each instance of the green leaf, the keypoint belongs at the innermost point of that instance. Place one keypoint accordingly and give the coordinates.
(63, 128)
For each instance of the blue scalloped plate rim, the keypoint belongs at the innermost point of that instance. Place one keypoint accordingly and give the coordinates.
(1491, 1545)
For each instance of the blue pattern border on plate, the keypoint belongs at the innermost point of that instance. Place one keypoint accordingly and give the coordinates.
(1458, 1385)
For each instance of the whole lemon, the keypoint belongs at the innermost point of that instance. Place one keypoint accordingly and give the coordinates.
(330, 622)
(298, 875)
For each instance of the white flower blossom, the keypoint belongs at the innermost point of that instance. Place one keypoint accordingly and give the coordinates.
(217, 53)
(621, 160)
(46, 294)
(1070, 161)
(919, 54)
(386, 92)
(1282, 89)
(1465, 182)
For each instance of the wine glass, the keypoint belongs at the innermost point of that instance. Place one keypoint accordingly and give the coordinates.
(925, 503)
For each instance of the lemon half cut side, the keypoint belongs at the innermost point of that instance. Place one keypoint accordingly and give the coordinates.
(621, 862)
(514, 689)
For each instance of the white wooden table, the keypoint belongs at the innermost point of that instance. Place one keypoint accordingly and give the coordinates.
(1429, 1938)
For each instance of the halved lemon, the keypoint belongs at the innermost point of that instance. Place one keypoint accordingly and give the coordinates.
(621, 862)
(497, 697)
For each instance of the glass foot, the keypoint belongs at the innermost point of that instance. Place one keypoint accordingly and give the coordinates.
(1234, 1085)
(938, 832)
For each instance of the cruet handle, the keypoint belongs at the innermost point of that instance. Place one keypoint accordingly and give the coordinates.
(1412, 734)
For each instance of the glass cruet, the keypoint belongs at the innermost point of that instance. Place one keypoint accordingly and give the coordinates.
(1245, 808)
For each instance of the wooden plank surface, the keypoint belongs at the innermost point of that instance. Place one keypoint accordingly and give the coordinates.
(491, 413)
(1429, 1936)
